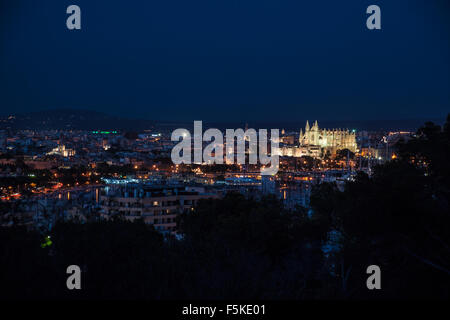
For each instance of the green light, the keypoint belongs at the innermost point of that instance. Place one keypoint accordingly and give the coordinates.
(47, 242)
(104, 132)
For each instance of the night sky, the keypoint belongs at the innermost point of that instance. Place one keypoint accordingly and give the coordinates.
(227, 59)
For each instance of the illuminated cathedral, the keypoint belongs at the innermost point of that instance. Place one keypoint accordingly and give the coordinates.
(316, 142)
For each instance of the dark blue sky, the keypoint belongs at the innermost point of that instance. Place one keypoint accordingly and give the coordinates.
(227, 59)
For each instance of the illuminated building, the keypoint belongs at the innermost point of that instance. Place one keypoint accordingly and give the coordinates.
(333, 140)
(62, 151)
(158, 206)
(316, 142)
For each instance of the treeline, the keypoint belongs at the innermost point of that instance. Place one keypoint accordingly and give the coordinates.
(232, 248)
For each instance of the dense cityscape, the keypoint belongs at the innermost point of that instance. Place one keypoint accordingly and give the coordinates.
(49, 175)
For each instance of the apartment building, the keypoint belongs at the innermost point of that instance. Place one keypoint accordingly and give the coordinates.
(158, 206)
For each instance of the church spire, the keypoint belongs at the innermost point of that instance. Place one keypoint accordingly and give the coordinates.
(307, 126)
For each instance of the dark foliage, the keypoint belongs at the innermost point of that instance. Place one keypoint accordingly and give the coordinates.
(232, 248)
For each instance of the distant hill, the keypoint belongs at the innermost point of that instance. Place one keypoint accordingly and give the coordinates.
(70, 119)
